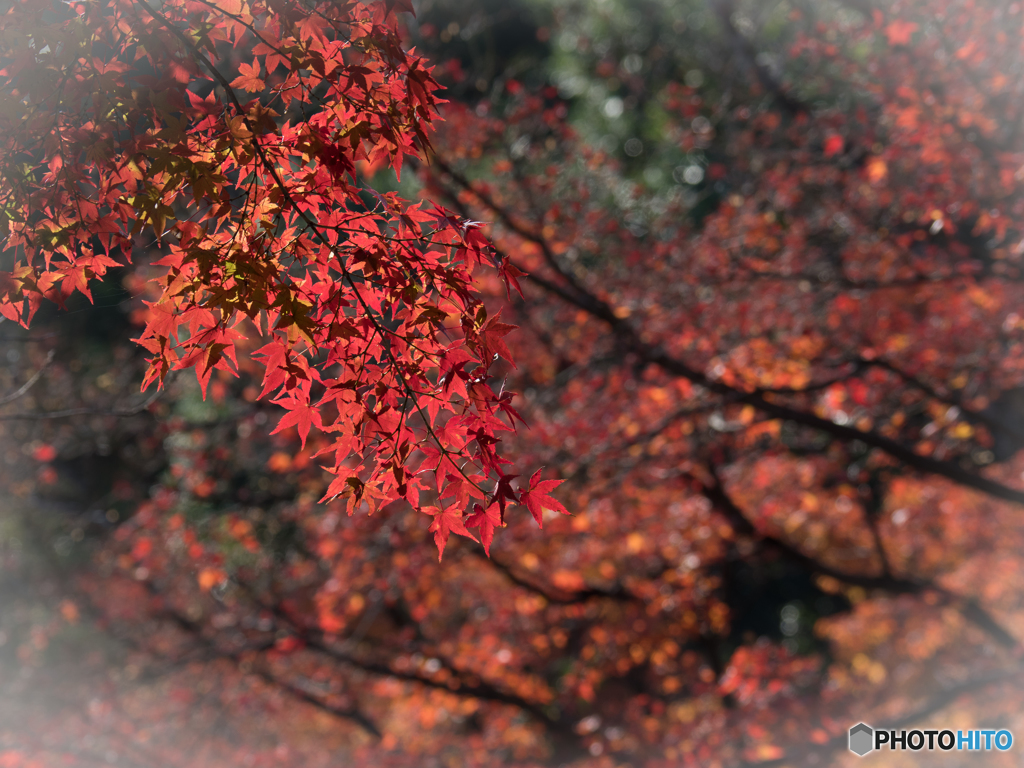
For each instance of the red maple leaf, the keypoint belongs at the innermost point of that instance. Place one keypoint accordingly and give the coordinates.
(446, 522)
(536, 498)
(493, 343)
(503, 492)
(486, 520)
(301, 415)
(510, 272)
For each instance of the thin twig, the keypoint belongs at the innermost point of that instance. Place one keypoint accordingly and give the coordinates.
(69, 412)
(24, 388)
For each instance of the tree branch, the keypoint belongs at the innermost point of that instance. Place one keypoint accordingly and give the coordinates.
(195, 630)
(69, 412)
(765, 402)
(565, 597)
(886, 582)
(477, 688)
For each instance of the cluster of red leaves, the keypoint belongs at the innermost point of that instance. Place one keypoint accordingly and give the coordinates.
(120, 116)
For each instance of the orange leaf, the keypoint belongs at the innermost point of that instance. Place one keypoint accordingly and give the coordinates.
(248, 78)
(210, 577)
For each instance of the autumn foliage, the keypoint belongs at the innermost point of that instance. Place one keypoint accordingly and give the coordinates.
(119, 122)
(771, 357)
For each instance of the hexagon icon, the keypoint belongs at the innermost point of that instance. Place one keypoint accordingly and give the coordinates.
(862, 739)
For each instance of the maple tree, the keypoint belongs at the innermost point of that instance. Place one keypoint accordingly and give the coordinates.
(771, 349)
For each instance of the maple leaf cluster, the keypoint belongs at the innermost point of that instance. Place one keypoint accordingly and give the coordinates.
(125, 121)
